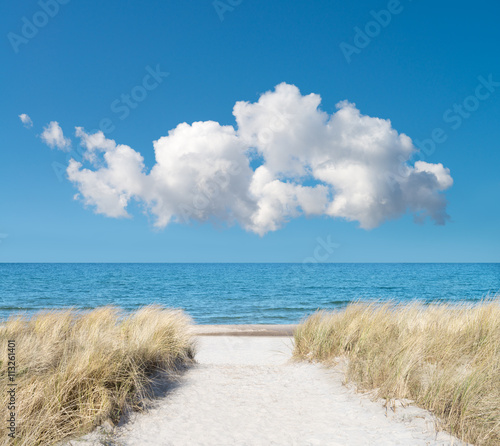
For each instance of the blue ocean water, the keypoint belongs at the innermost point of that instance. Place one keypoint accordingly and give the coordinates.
(239, 293)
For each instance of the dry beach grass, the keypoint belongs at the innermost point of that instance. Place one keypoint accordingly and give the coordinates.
(444, 358)
(75, 369)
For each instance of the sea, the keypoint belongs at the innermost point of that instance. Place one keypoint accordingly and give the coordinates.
(239, 293)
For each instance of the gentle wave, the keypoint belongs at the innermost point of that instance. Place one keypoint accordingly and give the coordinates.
(239, 293)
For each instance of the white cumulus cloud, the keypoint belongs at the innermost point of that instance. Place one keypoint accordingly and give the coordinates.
(26, 120)
(285, 158)
(53, 136)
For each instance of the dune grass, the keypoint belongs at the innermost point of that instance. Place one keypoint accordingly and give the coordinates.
(76, 370)
(446, 359)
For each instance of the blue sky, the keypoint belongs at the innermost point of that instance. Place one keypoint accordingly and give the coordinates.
(416, 70)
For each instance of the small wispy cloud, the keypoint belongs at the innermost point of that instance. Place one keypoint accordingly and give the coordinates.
(53, 136)
(26, 120)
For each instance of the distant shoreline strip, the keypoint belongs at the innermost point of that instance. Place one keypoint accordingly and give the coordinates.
(245, 330)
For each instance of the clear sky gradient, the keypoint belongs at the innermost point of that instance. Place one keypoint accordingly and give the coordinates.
(419, 69)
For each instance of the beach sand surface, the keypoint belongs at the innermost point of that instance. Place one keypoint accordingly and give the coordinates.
(246, 390)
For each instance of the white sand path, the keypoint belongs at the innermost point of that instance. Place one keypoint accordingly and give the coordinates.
(246, 391)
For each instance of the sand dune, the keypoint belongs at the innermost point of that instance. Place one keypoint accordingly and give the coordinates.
(247, 391)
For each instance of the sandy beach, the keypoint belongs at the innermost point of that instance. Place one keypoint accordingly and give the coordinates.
(246, 390)
(250, 223)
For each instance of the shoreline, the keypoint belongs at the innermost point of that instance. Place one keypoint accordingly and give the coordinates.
(245, 329)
